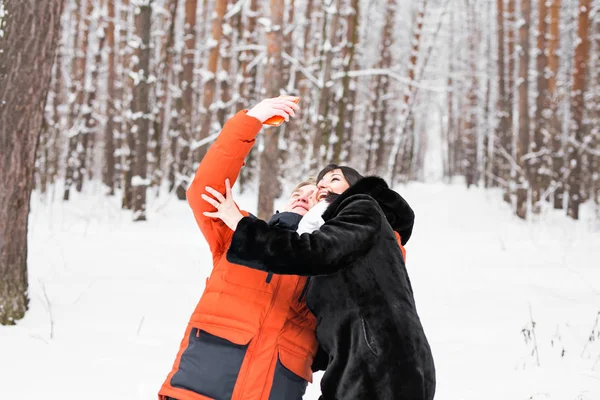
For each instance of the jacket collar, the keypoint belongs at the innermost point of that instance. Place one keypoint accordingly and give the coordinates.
(397, 211)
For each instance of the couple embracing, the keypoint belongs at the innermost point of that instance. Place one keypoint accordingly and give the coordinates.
(322, 285)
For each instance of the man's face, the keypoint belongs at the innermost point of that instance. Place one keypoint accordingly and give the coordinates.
(301, 200)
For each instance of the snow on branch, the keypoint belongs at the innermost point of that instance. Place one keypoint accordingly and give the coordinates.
(389, 73)
(302, 69)
(237, 7)
(199, 143)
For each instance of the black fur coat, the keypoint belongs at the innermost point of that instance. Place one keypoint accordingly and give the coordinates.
(360, 292)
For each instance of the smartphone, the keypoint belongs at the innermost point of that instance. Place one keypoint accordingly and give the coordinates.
(278, 120)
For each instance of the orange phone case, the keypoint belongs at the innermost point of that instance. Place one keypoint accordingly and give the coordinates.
(278, 120)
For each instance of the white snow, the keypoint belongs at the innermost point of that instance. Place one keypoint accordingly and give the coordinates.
(110, 298)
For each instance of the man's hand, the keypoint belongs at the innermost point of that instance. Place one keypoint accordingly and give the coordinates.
(227, 211)
(282, 106)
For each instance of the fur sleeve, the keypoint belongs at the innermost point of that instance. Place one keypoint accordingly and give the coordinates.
(334, 246)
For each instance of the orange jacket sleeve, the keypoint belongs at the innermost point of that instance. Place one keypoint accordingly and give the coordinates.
(224, 159)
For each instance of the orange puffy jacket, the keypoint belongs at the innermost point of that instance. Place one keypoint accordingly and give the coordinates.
(251, 336)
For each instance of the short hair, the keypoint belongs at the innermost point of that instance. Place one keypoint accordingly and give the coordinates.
(306, 182)
(350, 174)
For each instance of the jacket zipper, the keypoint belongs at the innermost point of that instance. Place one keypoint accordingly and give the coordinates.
(269, 277)
(304, 289)
(257, 337)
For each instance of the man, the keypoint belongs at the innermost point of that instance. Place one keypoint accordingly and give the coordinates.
(251, 336)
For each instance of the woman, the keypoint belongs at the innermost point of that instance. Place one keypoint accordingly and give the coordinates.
(360, 292)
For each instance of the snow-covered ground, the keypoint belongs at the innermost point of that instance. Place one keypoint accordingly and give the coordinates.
(110, 298)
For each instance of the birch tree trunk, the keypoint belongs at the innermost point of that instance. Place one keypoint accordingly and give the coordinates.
(28, 47)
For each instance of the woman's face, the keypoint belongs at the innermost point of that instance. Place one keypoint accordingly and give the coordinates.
(333, 182)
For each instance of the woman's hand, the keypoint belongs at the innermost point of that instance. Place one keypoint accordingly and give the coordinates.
(227, 211)
(282, 106)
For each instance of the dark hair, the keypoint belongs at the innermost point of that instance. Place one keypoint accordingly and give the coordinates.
(350, 174)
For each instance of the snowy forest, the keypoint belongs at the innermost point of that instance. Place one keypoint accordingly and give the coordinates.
(483, 114)
(510, 89)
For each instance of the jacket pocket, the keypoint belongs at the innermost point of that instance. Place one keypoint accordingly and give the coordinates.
(248, 278)
(210, 365)
(369, 338)
(288, 385)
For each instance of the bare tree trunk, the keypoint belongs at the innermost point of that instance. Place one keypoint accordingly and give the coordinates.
(595, 164)
(577, 110)
(450, 131)
(523, 145)
(502, 106)
(248, 35)
(28, 50)
(186, 113)
(540, 178)
(225, 78)
(162, 115)
(470, 120)
(508, 174)
(393, 167)
(554, 125)
(109, 132)
(141, 109)
(269, 186)
(488, 134)
(79, 75)
(210, 84)
(343, 129)
(128, 136)
(323, 128)
(90, 130)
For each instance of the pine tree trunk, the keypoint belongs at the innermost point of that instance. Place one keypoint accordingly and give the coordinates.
(541, 162)
(109, 131)
(595, 164)
(141, 109)
(210, 84)
(162, 114)
(523, 143)
(269, 186)
(347, 104)
(128, 136)
(577, 110)
(28, 47)
(449, 131)
(248, 35)
(554, 125)
(470, 120)
(79, 75)
(186, 113)
(323, 127)
(508, 174)
(225, 78)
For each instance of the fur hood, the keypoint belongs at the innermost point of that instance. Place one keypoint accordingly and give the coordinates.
(397, 211)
